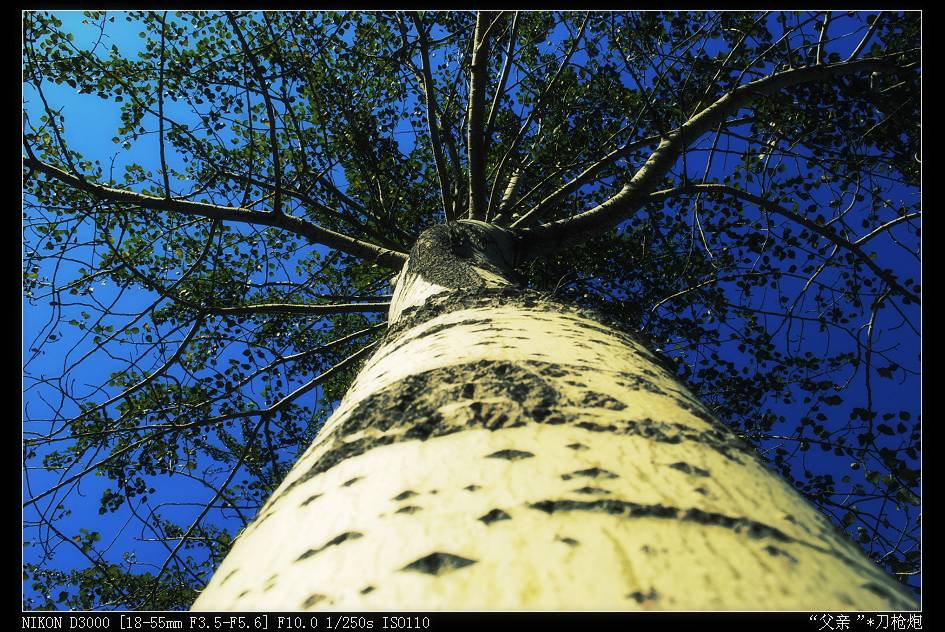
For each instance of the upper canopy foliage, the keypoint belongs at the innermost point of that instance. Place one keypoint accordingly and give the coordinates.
(741, 188)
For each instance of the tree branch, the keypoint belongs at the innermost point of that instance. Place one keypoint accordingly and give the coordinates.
(261, 308)
(433, 126)
(881, 229)
(814, 227)
(503, 78)
(152, 376)
(312, 203)
(297, 309)
(822, 40)
(160, 96)
(388, 258)
(247, 444)
(159, 431)
(270, 112)
(478, 76)
(549, 202)
(598, 220)
(539, 102)
(866, 38)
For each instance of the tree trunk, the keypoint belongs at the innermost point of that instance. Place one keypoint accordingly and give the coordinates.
(502, 451)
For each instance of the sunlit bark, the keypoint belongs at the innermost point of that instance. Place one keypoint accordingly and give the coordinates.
(500, 450)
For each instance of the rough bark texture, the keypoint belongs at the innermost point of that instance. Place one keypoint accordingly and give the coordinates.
(502, 451)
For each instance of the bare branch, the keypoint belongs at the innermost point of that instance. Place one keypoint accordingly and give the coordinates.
(246, 310)
(819, 57)
(549, 202)
(882, 229)
(866, 38)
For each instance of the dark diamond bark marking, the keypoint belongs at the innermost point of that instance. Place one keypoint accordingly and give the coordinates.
(601, 400)
(313, 599)
(438, 563)
(592, 472)
(568, 541)
(577, 446)
(690, 469)
(338, 539)
(510, 455)
(404, 495)
(630, 509)
(310, 499)
(351, 482)
(612, 507)
(639, 597)
(494, 516)
(472, 488)
(591, 490)
(409, 509)
(774, 551)
(367, 589)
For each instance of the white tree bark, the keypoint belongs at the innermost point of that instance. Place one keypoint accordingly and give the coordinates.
(500, 451)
